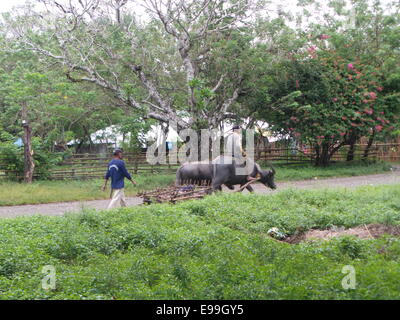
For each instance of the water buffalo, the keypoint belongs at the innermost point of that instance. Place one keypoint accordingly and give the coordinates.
(199, 172)
(222, 171)
(227, 171)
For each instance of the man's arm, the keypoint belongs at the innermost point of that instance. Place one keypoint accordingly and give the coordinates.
(106, 177)
(126, 173)
(105, 185)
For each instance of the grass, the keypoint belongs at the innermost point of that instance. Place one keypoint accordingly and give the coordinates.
(340, 169)
(13, 193)
(215, 248)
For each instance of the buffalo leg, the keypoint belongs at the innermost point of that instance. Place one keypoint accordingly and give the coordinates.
(217, 185)
(250, 188)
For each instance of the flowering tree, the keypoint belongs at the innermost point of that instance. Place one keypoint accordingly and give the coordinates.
(336, 102)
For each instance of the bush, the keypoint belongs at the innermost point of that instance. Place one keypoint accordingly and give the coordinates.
(12, 158)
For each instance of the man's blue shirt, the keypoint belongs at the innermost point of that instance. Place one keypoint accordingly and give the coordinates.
(117, 172)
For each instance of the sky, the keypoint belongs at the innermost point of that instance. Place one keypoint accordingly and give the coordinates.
(6, 5)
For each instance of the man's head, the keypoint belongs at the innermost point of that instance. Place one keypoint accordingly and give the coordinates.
(117, 153)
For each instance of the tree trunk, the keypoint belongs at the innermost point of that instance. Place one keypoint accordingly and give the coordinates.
(29, 164)
(369, 145)
(78, 148)
(323, 156)
(350, 154)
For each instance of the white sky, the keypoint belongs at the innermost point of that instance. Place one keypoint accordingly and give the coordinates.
(6, 5)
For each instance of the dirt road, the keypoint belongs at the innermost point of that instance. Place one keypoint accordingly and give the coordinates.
(58, 209)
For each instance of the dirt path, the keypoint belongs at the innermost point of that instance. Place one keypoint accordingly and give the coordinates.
(58, 209)
(347, 182)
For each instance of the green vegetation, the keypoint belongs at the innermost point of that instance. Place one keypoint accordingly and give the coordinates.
(13, 193)
(323, 82)
(339, 100)
(323, 76)
(215, 248)
(340, 169)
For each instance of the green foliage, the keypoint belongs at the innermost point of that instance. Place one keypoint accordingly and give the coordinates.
(12, 159)
(292, 73)
(10, 155)
(339, 99)
(136, 128)
(44, 159)
(215, 248)
(346, 73)
(58, 110)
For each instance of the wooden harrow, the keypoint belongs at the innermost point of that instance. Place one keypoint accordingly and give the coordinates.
(188, 191)
(174, 194)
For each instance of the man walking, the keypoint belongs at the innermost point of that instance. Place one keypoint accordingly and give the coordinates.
(117, 171)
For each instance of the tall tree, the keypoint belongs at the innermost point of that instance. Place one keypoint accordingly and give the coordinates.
(159, 68)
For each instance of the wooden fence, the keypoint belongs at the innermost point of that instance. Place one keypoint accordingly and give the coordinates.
(93, 166)
(89, 166)
(285, 155)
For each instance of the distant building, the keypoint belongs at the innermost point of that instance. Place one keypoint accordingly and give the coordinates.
(19, 142)
(103, 141)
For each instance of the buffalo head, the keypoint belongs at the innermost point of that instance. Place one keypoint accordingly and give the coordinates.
(267, 178)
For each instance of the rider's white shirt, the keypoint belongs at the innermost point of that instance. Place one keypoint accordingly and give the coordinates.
(233, 145)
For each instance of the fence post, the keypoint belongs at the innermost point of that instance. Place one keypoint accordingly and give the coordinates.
(169, 164)
(287, 156)
(136, 164)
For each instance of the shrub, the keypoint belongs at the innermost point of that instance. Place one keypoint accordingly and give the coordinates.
(12, 158)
